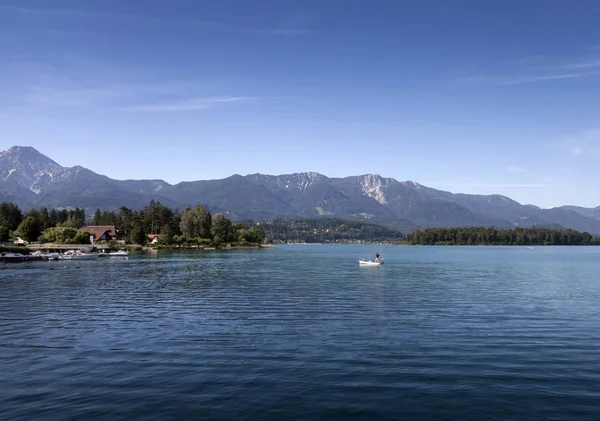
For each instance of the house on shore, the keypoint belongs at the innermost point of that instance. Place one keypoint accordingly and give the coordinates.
(104, 233)
(153, 239)
(18, 241)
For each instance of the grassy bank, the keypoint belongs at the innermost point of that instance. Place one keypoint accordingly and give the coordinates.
(15, 249)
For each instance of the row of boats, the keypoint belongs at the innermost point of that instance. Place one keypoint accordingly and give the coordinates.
(89, 253)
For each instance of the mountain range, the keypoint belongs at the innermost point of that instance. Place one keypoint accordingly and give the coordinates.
(31, 179)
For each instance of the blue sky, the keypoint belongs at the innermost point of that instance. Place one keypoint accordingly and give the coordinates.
(466, 96)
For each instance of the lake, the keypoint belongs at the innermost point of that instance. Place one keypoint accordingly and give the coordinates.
(302, 332)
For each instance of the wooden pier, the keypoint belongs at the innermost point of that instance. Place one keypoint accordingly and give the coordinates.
(58, 248)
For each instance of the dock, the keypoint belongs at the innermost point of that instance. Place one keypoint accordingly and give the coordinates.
(59, 248)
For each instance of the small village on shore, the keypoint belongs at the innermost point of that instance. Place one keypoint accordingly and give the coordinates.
(104, 241)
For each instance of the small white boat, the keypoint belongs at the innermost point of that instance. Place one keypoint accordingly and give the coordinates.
(13, 257)
(363, 262)
(45, 256)
(89, 253)
(119, 253)
(77, 255)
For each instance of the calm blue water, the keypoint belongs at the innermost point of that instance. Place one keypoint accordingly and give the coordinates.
(301, 332)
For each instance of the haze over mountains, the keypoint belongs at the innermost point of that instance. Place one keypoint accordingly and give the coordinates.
(31, 179)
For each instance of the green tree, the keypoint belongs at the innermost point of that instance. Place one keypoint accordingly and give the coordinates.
(97, 219)
(196, 222)
(178, 239)
(221, 227)
(78, 218)
(63, 216)
(125, 219)
(10, 215)
(29, 229)
(44, 218)
(53, 219)
(105, 218)
(4, 233)
(34, 213)
(167, 235)
(155, 216)
(255, 235)
(59, 235)
(81, 237)
(75, 218)
(239, 232)
(138, 235)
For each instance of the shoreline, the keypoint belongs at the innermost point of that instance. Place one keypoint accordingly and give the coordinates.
(136, 248)
(133, 247)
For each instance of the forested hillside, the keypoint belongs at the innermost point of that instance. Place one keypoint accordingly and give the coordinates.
(490, 236)
(327, 230)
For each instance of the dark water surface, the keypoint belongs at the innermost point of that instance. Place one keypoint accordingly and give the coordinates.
(301, 332)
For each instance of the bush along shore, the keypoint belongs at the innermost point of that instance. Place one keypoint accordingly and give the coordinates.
(156, 225)
(15, 249)
(473, 236)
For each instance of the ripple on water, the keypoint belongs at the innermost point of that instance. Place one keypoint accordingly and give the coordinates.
(304, 333)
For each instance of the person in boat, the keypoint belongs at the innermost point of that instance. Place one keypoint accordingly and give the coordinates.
(377, 256)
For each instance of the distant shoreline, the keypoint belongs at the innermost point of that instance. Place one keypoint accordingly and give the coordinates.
(442, 245)
(65, 247)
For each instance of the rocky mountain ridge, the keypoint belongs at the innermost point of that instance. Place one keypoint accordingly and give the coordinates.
(31, 179)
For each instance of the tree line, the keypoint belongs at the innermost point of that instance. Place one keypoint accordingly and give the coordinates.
(197, 226)
(31, 224)
(327, 230)
(507, 237)
(192, 226)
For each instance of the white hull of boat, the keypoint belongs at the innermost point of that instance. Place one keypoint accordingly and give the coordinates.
(46, 256)
(369, 263)
(13, 257)
(79, 257)
(120, 253)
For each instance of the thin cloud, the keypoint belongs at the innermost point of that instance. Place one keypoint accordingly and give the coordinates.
(514, 168)
(585, 142)
(491, 185)
(538, 68)
(577, 150)
(74, 96)
(510, 81)
(84, 14)
(546, 78)
(276, 31)
(501, 185)
(532, 60)
(194, 104)
(43, 96)
(590, 64)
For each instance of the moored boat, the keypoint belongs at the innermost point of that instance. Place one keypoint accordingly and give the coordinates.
(119, 253)
(39, 255)
(88, 253)
(77, 255)
(13, 257)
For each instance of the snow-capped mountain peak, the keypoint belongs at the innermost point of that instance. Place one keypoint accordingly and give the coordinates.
(26, 167)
